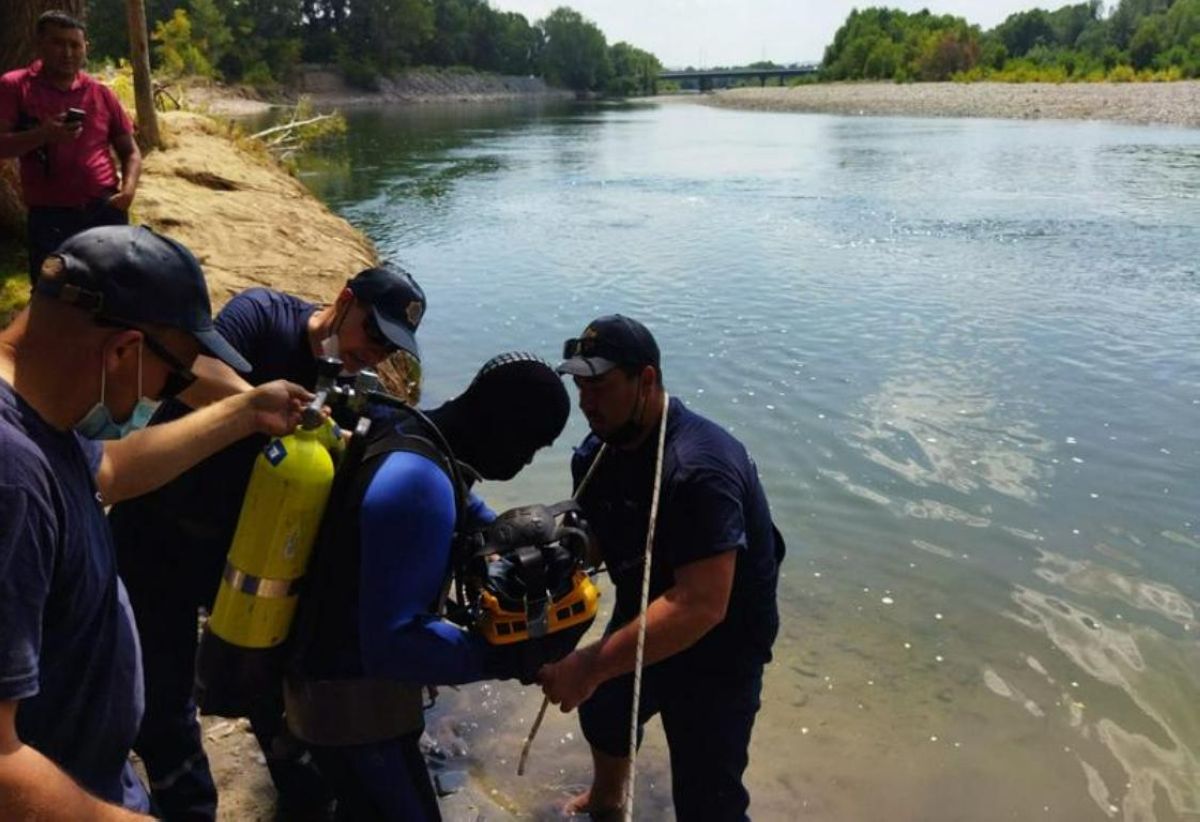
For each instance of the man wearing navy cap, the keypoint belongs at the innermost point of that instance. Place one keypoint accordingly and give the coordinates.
(172, 544)
(712, 616)
(114, 325)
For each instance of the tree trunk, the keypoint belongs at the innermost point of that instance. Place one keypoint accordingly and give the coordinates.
(18, 19)
(143, 88)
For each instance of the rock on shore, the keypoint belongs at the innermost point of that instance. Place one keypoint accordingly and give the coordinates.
(1160, 103)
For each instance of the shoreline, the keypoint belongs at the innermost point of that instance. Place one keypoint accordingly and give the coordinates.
(326, 88)
(1171, 104)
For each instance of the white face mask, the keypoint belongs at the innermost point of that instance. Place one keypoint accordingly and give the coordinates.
(98, 423)
(329, 346)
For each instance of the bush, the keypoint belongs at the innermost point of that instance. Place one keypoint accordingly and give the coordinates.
(258, 74)
(359, 73)
(1122, 74)
(176, 51)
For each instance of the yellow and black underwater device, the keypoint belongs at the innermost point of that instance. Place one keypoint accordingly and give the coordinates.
(525, 584)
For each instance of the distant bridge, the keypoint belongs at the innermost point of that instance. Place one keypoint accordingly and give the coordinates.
(706, 76)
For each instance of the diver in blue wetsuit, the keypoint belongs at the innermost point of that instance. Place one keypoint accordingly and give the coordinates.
(368, 634)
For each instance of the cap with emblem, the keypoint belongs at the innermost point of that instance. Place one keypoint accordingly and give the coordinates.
(132, 274)
(609, 341)
(396, 301)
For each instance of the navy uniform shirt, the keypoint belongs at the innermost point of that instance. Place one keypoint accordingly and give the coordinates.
(68, 648)
(711, 502)
(190, 521)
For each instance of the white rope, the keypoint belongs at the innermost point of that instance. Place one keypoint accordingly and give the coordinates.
(641, 641)
(537, 723)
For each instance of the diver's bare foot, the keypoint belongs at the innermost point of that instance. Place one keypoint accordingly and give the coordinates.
(581, 805)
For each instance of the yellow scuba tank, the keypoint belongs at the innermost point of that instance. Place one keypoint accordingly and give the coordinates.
(241, 650)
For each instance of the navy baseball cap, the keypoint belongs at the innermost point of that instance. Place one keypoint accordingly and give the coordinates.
(606, 343)
(132, 274)
(396, 301)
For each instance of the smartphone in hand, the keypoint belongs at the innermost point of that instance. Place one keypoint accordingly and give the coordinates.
(74, 115)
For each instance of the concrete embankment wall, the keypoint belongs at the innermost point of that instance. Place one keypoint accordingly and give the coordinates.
(326, 86)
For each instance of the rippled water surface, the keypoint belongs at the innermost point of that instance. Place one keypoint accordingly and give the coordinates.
(965, 356)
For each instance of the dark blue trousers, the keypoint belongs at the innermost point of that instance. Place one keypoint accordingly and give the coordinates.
(49, 226)
(707, 717)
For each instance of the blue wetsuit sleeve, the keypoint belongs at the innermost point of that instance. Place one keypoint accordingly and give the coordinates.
(478, 511)
(407, 522)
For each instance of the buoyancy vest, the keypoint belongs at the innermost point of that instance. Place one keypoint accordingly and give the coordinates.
(329, 699)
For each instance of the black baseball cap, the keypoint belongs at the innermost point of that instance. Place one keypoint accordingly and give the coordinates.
(132, 274)
(396, 301)
(606, 343)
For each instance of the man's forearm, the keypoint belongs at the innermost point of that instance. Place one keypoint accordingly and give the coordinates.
(152, 457)
(33, 787)
(131, 171)
(16, 143)
(671, 627)
(214, 381)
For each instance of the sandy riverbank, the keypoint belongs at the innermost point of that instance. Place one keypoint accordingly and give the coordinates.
(1160, 103)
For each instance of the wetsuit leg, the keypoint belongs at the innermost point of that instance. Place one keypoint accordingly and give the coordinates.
(302, 790)
(708, 720)
(384, 782)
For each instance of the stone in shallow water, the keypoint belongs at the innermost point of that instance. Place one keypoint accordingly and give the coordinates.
(450, 782)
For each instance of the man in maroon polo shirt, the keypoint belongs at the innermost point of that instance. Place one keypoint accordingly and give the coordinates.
(64, 126)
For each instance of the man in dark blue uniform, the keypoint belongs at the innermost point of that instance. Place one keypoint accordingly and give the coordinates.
(712, 615)
(114, 324)
(172, 544)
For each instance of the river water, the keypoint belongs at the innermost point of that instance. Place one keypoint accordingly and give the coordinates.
(964, 355)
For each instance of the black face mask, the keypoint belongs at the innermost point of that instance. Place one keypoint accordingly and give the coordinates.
(631, 429)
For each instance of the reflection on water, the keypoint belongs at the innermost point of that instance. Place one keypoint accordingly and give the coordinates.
(963, 355)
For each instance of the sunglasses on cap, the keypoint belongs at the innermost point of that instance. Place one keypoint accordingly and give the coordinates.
(180, 376)
(375, 334)
(593, 347)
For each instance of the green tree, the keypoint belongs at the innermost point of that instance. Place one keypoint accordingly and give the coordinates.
(882, 43)
(176, 50)
(386, 34)
(634, 71)
(575, 54)
(1148, 41)
(519, 45)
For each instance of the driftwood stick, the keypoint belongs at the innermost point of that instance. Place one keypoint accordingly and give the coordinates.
(291, 125)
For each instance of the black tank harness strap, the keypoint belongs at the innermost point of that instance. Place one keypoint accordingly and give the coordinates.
(355, 710)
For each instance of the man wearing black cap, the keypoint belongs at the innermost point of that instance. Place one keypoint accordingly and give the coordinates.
(172, 544)
(712, 616)
(370, 626)
(114, 325)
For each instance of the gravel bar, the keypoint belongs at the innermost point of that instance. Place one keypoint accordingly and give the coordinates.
(1175, 104)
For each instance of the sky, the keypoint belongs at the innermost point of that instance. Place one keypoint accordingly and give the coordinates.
(735, 32)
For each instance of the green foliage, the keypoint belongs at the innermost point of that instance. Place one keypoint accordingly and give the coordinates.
(368, 39)
(881, 43)
(634, 72)
(575, 54)
(175, 49)
(1141, 40)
